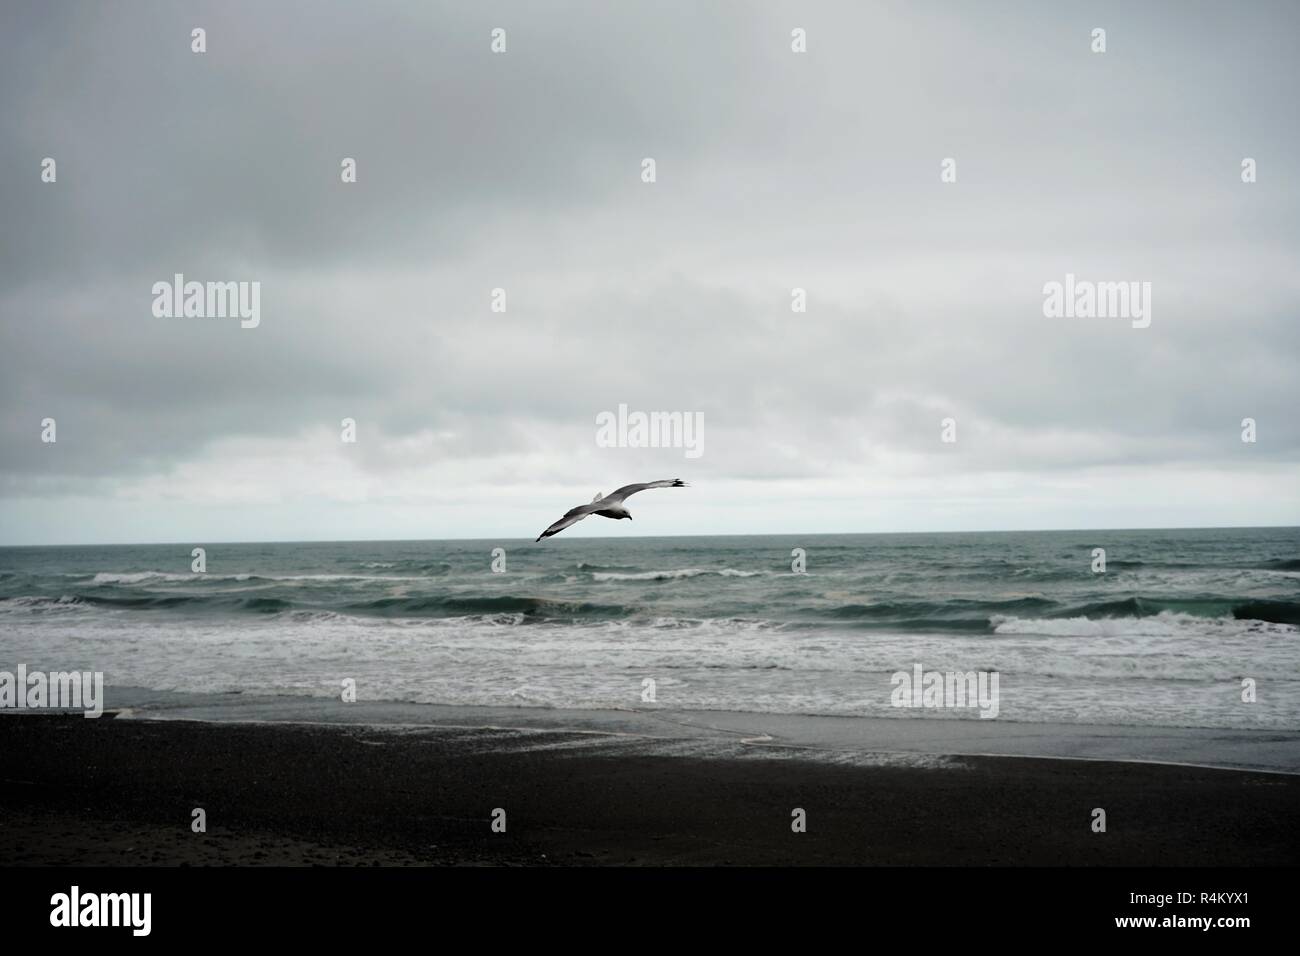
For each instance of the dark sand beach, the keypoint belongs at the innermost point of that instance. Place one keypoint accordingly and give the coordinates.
(121, 791)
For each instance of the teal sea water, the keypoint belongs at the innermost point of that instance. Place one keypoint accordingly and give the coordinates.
(1165, 636)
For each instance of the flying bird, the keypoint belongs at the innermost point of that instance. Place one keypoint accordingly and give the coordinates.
(609, 506)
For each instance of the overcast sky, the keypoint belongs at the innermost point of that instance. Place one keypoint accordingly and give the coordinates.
(523, 171)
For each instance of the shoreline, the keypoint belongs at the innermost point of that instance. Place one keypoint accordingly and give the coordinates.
(1265, 750)
(123, 791)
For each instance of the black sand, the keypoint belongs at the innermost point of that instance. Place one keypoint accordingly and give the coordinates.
(122, 791)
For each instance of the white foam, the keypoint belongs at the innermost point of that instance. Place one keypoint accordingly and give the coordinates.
(139, 577)
(136, 577)
(65, 602)
(671, 575)
(1164, 624)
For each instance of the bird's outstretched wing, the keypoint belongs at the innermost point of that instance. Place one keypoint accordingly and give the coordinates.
(571, 517)
(628, 490)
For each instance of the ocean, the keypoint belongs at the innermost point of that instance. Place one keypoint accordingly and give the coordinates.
(1167, 635)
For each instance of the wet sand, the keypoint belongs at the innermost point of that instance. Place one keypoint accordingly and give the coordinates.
(122, 792)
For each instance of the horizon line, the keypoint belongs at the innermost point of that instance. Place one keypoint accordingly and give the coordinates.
(638, 537)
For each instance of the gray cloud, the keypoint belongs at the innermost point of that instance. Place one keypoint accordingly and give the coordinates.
(522, 171)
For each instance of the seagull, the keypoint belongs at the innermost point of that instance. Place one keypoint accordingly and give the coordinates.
(608, 506)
